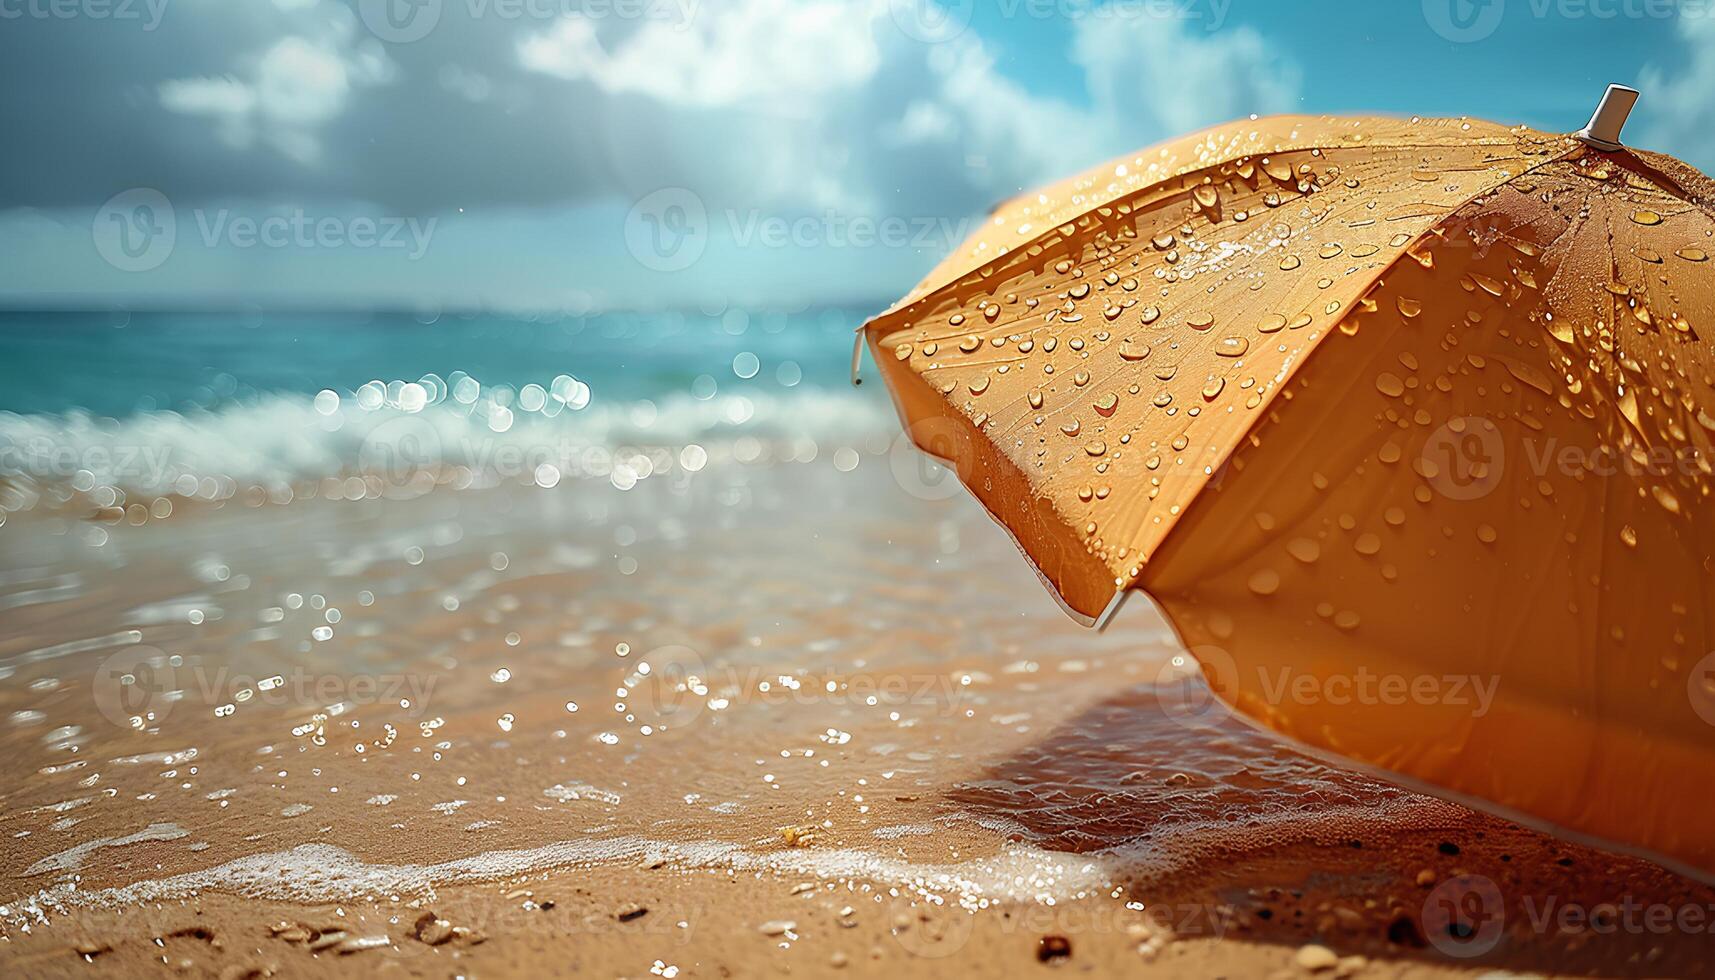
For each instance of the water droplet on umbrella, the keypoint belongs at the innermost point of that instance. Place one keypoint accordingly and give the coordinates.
(1265, 582)
(1666, 499)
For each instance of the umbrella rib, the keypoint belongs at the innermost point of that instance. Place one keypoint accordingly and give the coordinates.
(1170, 521)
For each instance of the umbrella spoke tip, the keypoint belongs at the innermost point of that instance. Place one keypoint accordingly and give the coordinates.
(1603, 129)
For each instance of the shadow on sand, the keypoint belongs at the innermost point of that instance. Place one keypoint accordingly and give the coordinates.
(1222, 831)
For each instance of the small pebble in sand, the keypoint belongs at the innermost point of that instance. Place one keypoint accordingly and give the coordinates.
(245, 971)
(468, 936)
(89, 949)
(1425, 878)
(838, 960)
(432, 929)
(358, 944)
(1051, 948)
(1314, 958)
(630, 911)
(798, 836)
(291, 932)
(777, 927)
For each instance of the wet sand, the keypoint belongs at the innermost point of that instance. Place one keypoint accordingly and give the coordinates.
(762, 718)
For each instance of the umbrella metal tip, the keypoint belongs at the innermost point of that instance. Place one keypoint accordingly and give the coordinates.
(1603, 129)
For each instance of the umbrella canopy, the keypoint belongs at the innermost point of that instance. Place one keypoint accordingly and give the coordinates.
(1405, 425)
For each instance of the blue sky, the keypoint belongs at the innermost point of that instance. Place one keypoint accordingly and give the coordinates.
(576, 155)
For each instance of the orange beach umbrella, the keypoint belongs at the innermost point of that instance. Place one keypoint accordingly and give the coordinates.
(1405, 425)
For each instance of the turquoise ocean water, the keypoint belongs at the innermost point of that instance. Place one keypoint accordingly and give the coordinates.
(211, 403)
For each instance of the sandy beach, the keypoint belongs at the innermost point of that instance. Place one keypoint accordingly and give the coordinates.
(900, 488)
(744, 722)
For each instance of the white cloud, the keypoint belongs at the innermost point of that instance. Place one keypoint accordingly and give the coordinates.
(778, 50)
(1678, 107)
(1172, 76)
(221, 97)
(284, 95)
(837, 107)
